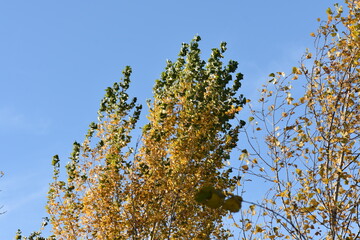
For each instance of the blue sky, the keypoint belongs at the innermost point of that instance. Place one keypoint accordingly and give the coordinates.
(57, 57)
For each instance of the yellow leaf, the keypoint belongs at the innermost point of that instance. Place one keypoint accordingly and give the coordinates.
(248, 226)
(294, 70)
(284, 114)
(328, 11)
(258, 229)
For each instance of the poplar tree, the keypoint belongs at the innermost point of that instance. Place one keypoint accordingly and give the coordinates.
(174, 183)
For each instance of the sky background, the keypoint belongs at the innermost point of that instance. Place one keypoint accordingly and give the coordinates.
(57, 57)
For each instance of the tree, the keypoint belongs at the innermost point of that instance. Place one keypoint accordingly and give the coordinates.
(113, 191)
(312, 166)
(175, 184)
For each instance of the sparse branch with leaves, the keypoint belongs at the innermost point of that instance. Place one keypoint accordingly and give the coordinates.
(312, 164)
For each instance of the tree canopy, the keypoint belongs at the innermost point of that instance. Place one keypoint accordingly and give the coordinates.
(177, 181)
(113, 191)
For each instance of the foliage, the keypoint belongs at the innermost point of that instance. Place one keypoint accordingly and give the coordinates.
(175, 183)
(113, 191)
(36, 235)
(312, 166)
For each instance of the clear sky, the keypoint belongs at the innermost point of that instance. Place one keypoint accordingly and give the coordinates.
(57, 57)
